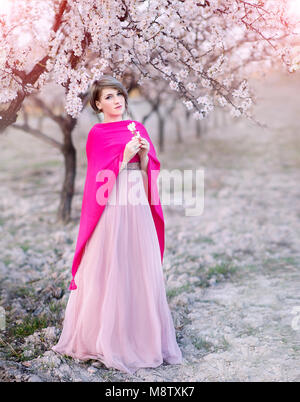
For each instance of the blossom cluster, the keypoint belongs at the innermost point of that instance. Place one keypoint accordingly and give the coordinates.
(202, 49)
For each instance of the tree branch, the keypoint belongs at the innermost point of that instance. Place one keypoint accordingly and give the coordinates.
(38, 134)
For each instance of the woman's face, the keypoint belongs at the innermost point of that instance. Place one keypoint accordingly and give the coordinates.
(109, 101)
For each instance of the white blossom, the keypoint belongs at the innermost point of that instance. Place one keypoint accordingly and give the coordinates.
(173, 85)
(221, 100)
(188, 104)
(191, 86)
(198, 116)
(235, 112)
(157, 40)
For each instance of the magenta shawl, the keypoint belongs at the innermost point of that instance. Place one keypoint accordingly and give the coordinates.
(104, 149)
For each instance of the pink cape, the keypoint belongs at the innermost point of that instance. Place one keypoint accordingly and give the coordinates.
(104, 148)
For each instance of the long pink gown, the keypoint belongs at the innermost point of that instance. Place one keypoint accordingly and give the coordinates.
(119, 312)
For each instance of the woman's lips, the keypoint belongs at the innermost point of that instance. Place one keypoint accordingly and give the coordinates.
(118, 107)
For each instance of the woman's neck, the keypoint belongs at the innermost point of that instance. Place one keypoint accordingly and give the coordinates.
(112, 121)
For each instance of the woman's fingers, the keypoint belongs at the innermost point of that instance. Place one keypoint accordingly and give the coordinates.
(139, 143)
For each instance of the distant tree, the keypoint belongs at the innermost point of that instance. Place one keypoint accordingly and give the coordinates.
(66, 125)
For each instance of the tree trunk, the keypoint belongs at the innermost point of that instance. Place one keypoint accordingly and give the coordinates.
(67, 192)
(178, 131)
(198, 129)
(161, 125)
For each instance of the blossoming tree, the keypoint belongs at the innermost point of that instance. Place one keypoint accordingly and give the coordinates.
(202, 48)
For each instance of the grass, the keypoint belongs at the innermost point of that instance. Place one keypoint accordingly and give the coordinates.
(19, 327)
(23, 292)
(291, 261)
(177, 291)
(192, 258)
(204, 239)
(207, 346)
(224, 344)
(13, 345)
(220, 272)
(7, 260)
(274, 264)
(29, 325)
(202, 344)
(10, 351)
(24, 246)
(224, 269)
(250, 331)
(55, 307)
(13, 231)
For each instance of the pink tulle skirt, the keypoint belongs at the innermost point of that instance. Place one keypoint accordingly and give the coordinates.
(119, 312)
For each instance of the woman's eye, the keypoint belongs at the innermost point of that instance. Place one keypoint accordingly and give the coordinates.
(120, 93)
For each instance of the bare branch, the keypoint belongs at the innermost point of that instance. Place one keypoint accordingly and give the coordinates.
(38, 134)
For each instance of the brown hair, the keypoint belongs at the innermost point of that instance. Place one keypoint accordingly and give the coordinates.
(103, 82)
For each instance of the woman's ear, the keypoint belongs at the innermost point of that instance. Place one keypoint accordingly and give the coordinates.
(98, 104)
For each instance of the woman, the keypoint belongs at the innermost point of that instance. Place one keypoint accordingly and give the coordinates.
(118, 312)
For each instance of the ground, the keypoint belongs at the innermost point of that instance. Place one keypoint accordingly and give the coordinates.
(232, 274)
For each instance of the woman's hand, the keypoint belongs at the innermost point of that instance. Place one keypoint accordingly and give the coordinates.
(144, 149)
(131, 149)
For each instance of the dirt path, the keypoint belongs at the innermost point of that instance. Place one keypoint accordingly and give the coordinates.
(232, 274)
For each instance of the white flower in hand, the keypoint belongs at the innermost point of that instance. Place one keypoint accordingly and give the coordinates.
(131, 127)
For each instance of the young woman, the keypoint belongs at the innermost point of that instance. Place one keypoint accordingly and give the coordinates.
(117, 311)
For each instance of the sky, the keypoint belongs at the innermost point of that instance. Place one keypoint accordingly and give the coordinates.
(4, 6)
